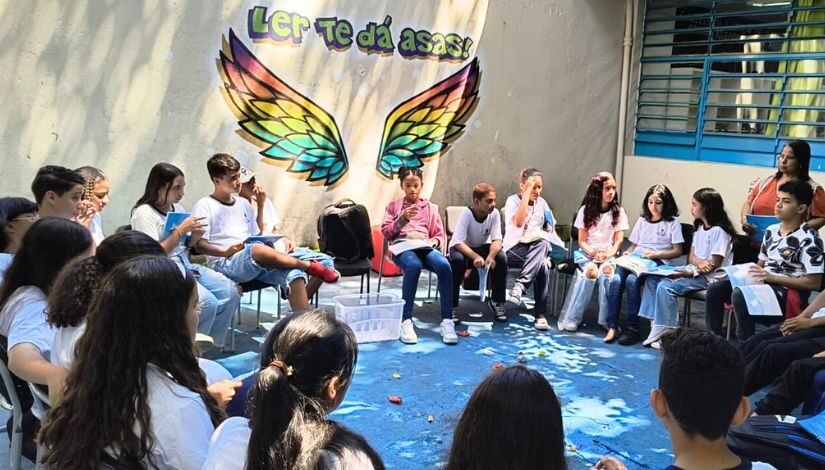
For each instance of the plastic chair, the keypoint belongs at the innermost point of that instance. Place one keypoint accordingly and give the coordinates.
(40, 407)
(16, 449)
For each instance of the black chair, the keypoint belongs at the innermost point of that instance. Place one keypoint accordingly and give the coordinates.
(567, 266)
(123, 228)
(360, 267)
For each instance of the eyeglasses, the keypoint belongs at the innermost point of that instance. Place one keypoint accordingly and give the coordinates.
(782, 157)
(29, 217)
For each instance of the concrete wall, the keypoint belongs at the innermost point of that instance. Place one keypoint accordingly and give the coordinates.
(124, 85)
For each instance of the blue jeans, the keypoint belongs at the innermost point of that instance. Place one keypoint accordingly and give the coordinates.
(240, 267)
(219, 300)
(660, 301)
(624, 279)
(411, 262)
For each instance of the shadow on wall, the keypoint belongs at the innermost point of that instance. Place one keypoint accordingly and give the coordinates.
(123, 85)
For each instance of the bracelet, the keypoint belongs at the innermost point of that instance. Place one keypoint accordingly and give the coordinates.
(177, 231)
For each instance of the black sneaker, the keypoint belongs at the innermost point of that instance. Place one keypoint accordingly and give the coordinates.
(629, 337)
(499, 314)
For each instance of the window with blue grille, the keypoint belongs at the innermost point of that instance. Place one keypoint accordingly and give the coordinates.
(732, 80)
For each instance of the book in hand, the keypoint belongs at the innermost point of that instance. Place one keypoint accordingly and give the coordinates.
(173, 220)
(761, 222)
(406, 244)
(759, 296)
(642, 266)
(542, 235)
(263, 239)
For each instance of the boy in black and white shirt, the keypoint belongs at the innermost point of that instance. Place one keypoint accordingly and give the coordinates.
(791, 258)
(476, 243)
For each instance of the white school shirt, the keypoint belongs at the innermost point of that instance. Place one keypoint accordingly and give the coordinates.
(473, 233)
(96, 228)
(227, 224)
(5, 262)
(62, 351)
(534, 222)
(794, 254)
(180, 422)
(151, 221)
(715, 241)
(656, 236)
(23, 319)
(600, 236)
(228, 446)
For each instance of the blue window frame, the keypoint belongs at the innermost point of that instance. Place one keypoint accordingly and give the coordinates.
(731, 80)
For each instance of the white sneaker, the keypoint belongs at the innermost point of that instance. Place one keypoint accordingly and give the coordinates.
(408, 335)
(515, 294)
(656, 332)
(656, 344)
(571, 326)
(541, 324)
(448, 332)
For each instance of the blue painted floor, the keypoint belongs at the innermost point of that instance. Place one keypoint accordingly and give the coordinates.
(604, 389)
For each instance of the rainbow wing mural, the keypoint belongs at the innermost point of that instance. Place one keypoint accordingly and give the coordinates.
(425, 125)
(292, 126)
(294, 129)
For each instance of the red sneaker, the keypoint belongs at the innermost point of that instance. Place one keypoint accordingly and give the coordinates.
(326, 274)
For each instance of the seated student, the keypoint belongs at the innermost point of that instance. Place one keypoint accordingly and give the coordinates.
(229, 221)
(414, 218)
(58, 192)
(73, 290)
(701, 379)
(792, 388)
(601, 222)
(508, 405)
(790, 258)
(96, 192)
(306, 368)
(17, 214)
(49, 244)
(162, 195)
(136, 382)
(711, 250)
(526, 244)
(656, 236)
(256, 195)
(476, 243)
(769, 353)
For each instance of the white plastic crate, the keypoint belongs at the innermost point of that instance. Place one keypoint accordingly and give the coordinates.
(372, 317)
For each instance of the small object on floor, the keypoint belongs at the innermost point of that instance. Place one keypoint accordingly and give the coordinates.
(541, 324)
(463, 333)
(396, 376)
(571, 326)
(521, 358)
(572, 448)
(395, 399)
(489, 351)
(541, 353)
(430, 418)
(497, 366)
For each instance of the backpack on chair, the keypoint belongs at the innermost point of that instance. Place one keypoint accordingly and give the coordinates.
(344, 231)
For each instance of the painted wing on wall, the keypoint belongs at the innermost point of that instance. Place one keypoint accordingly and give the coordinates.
(295, 128)
(427, 124)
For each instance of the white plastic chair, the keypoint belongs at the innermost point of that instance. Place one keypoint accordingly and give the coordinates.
(16, 450)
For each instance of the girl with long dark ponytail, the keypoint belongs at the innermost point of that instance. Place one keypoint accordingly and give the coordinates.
(307, 364)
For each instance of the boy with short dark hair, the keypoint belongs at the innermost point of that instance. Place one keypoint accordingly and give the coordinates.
(230, 221)
(791, 257)
(58, 192)
(699, 398)
(476, 243)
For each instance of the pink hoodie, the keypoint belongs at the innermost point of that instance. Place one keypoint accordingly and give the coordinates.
(426, 224)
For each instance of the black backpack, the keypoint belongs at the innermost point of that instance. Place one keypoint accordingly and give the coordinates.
(344, 231)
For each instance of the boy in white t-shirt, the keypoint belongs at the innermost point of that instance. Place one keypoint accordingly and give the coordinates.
(230, 221)
(58, 192)
(476, 243)
(526, 242)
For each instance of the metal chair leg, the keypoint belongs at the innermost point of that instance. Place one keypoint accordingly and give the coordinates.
(369, 274)
(258, 315)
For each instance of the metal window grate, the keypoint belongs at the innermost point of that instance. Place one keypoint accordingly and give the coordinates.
(731, 80)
